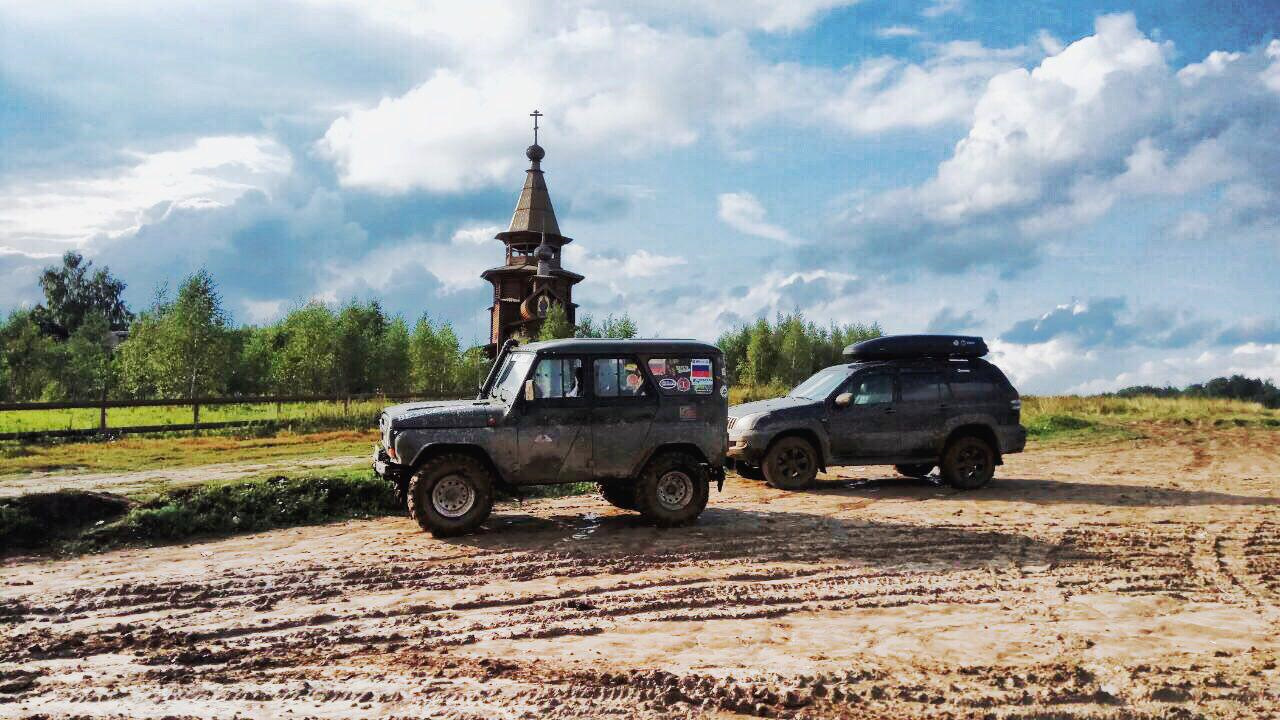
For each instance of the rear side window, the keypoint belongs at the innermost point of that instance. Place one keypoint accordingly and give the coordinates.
(974, 385)
(619, 377)
(683, 375)
(923, 387)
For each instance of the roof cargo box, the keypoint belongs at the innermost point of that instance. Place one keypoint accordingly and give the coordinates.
(908, 346)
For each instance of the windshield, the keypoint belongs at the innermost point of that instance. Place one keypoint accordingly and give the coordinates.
(821, 384)
(512, 375)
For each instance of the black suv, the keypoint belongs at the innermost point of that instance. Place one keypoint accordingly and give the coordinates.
(911, 401)
(644, 418)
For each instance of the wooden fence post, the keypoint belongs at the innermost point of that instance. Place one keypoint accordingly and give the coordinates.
(102, 414)
(195, 412)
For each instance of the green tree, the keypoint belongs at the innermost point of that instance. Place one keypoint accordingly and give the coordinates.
(734, 344)
(29, 356)
(762, 354)
(72, 294)
(393, 375)
(305, 358)
(358, 347)
(621, 327)
(434, 357)
(252, 348)
(555, 325)
(181, 348)
(472, 370)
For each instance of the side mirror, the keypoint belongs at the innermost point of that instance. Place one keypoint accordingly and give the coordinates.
(528, 390)
(844, 400)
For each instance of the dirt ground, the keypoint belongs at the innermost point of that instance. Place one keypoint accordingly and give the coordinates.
(127, 483)
(1134, 579)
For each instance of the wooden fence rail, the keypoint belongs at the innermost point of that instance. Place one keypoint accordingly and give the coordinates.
(194, 403)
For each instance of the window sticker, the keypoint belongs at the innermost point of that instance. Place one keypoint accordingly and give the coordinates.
(700, 374)
(684, 376)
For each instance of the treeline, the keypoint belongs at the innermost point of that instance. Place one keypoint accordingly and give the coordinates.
(1236, 387)
(787, 350)
(83, 343)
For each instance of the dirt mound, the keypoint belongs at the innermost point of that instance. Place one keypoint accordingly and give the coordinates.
(32, 520)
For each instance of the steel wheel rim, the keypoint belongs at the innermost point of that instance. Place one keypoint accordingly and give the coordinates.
(973, 463)
(453, 496)
(793, 462)
(675, 490)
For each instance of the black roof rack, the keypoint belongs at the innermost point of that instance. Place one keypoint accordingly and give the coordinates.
(892, 347)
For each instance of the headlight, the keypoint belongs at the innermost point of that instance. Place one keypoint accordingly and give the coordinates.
(752, 421)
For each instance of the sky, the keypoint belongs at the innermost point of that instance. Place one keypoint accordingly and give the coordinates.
(1093, 187)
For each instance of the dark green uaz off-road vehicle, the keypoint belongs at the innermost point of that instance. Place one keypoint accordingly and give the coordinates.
(646, 419)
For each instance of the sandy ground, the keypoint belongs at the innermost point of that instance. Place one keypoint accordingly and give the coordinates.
(1135, 579)
(143, 480)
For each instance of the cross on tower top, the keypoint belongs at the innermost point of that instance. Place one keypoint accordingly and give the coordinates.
(535, 115)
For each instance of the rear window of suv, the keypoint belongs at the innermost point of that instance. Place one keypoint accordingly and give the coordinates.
(975, 384)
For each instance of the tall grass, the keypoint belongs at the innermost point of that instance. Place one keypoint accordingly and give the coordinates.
(1098, 408)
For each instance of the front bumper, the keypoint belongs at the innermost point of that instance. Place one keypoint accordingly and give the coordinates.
(384, 468)
(747, 447)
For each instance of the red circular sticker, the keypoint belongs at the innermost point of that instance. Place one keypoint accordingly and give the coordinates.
(683, 384)
(633, 381)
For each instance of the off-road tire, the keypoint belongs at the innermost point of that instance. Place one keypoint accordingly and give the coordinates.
(673, 489)
(620, 494)
(748, 472)
(791, 464)
(433, 515)
(968, 463)
(919, 470)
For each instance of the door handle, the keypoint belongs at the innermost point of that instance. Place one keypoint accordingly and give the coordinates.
(889, 411)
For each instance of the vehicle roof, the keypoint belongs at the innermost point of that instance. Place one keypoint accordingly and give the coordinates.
(923, 362)
(614, 345)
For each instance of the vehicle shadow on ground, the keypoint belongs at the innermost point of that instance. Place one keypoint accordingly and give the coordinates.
(725, 532)
(1035, 490)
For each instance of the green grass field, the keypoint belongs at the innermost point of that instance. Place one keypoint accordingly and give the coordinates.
(318, 414)
(178, 451)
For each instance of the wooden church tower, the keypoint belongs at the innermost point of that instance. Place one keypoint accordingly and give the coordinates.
(525, 287)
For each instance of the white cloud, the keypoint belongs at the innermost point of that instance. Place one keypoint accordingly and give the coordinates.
(211, 172)
(744, 213)
(643, 264)
(938, 8)
(476, 235)
(498, 21)
(1054, 148)
(613, 84)
(898, 31)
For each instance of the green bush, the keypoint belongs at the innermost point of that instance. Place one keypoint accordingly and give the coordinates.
(17, 527)
(250, 505)
(1046, 425)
